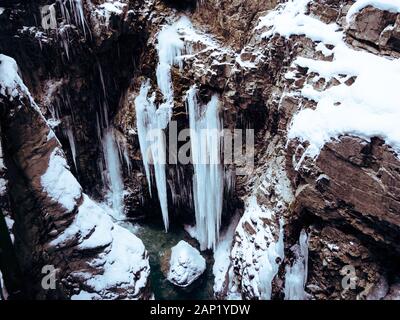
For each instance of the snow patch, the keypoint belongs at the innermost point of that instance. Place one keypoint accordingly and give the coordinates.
(124, 262)
(59, 183)
(10, 80)
(109, 8)
(222, 255)
(290, 19)
(258, 249)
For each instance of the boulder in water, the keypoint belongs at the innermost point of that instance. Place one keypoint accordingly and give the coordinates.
(186, 264)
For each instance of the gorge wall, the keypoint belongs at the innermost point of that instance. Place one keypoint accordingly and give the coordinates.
(317, 215)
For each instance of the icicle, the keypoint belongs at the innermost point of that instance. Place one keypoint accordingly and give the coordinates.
(229, 182)
(104, 105)
(77, 14)
(103, 86)
(98, 127)
(123, 150)
(64, 41)
(180, 187)
(113, 173)
(208, 180)
(143, 105)
(105, 113)
(150, 124)
(296, 275)
(71, 140)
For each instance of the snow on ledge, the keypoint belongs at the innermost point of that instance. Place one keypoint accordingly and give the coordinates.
(387, 5)
(290, 19)
(10, 81)
(367, 108)
(59, 183)
(107, 9)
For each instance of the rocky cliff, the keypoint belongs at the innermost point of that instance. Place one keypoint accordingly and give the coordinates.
(313, 215)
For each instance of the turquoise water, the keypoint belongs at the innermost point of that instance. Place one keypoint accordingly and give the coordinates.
(157, 242)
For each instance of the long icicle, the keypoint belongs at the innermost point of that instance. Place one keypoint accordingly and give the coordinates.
(150, 130)
(114, 173)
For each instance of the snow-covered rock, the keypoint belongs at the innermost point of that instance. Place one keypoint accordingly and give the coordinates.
(186, 264)
(94, 257)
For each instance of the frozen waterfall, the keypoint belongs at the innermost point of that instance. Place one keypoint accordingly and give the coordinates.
(270, 267)
(208, 181)
(150, 125)
(296, 275)
(151, 121)
(169, 48)
(113, 174)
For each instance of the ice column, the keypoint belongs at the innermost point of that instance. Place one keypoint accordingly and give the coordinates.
(208, 180)
(71, 140)
(113, 173)
(270, 266)
(296, 275)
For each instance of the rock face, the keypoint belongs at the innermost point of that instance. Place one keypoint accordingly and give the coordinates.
(315, 79)
(234, 20)
(376, 30)
(57, 225)
(186, 264)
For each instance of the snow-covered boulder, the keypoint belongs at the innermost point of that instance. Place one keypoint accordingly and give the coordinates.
(186, 264)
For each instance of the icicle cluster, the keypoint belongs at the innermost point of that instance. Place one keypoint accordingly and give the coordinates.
(208, 180)
(115, 152)
(151, 121)
(73, 14)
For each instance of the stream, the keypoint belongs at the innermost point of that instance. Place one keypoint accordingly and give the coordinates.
(157, 242)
